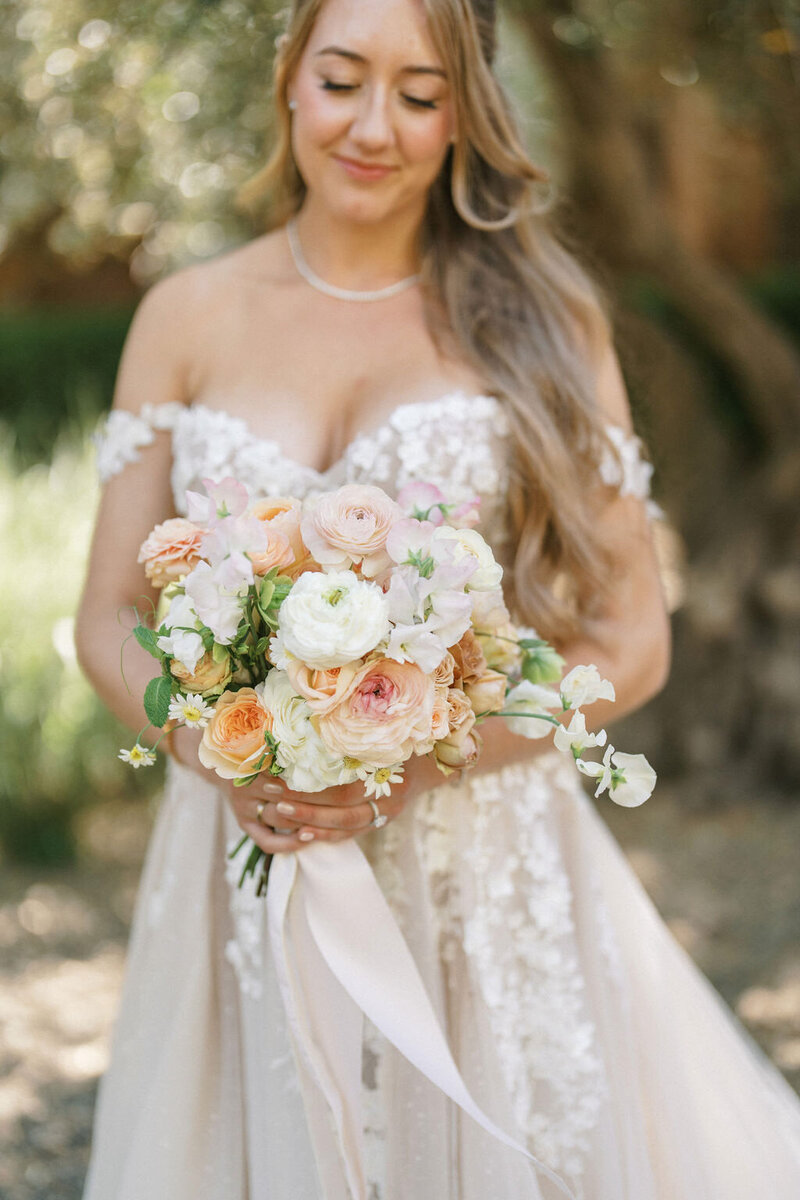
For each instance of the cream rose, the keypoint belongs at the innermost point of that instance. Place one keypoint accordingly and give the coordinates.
(386, 714)
(322, 689)
(283, 516)
(460, 749)
(170, 551)
(488, 692)
(233, 741)
(328, 620)
(208, 676)
(350, 526)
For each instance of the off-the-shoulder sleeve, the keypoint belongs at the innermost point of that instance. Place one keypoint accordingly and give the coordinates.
(631, 472)
(122, 435)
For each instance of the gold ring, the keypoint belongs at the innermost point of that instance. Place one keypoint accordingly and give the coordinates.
(259, 811)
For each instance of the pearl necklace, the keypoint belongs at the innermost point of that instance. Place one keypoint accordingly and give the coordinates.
(330, 289)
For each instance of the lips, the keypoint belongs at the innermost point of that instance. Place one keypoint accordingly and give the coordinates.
(362, 170)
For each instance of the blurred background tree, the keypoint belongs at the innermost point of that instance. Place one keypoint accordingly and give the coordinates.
(670, 131)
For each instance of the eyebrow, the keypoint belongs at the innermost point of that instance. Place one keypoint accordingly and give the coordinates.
(359, 58)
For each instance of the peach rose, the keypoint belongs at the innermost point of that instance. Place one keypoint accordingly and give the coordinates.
(470, 663)
(276, 553)
(207, 676)
(350, 526)
(488, 693)
(323, 689)
(444, 674)
(283, 516)
(387, 712)
(440, 723)
(459, 710)
(170, 551)
(233, 740)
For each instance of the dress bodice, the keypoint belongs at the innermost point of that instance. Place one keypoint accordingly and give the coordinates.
(459, 442)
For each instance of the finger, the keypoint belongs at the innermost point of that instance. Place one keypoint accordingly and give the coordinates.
(316, 816)
(274, 843)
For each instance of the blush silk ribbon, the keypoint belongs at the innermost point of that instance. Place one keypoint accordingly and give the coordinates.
(339, 955)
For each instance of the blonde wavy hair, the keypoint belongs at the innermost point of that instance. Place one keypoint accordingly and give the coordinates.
(502, 292)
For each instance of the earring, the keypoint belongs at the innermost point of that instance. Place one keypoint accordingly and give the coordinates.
(292, 105)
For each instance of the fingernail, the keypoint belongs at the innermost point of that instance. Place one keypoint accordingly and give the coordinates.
(306, 836)
(283, 807)
(273, 789)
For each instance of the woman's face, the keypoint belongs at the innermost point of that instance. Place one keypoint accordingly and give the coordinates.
(370, 89)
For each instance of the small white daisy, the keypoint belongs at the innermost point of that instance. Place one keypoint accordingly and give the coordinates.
(138, 756)
(192, 710)
(378, 780)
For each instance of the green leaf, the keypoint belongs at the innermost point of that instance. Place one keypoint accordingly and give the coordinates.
(147, 639)
(157, 696)
(266, 592)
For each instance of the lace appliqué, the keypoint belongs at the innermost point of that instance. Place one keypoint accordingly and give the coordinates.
(501, 891)
(244, 951)
(123, 434)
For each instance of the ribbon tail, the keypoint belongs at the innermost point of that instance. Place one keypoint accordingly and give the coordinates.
(327, 1030)
(358, 937)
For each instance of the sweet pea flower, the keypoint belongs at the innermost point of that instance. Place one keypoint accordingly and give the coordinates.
(228, 498)
(488, 572)
(218, 606)
(535, 702)
(182, 641)
(422, 500)
(575, 737)
(629, 778)
(583, 685)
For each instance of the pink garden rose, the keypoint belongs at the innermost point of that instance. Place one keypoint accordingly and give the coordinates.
(171, 551)
(350, 526)
(387, 713)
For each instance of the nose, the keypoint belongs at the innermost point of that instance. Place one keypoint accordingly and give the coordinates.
(372, 126)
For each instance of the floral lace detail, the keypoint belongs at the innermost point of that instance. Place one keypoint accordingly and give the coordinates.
(511, 912)
(632, 473)
(123, 434)
(244, 951)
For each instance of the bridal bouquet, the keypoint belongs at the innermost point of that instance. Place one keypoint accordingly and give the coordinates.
(329, 641)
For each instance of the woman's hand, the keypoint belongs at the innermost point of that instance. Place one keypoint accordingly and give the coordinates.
(332, 815)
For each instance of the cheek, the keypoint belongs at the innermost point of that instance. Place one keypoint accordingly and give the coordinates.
(425, 142)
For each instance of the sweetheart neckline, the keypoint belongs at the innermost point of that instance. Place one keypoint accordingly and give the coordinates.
(403, 406)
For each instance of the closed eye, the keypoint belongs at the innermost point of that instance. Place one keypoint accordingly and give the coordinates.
(329, 86)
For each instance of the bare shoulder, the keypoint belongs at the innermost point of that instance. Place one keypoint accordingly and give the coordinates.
(180, 315)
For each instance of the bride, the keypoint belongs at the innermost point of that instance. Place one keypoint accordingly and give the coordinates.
(409, 315)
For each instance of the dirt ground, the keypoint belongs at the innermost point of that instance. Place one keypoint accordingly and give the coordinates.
(727, 884)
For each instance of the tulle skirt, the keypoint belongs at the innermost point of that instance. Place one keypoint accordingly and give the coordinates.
(577, 1021)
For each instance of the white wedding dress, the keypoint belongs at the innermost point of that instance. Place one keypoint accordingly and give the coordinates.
(577, 1022)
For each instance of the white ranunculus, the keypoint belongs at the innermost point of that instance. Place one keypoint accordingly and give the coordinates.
(308, 766)
(488, 573)
(575, 738)
(328, 620)
(584, 685)
(639, 781)
(535, 701)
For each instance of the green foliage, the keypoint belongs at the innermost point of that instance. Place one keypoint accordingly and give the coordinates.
(157, 696)
(58, 745)
(57, 371)
(132, 122)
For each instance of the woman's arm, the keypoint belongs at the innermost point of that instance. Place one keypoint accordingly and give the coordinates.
(154, 369)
